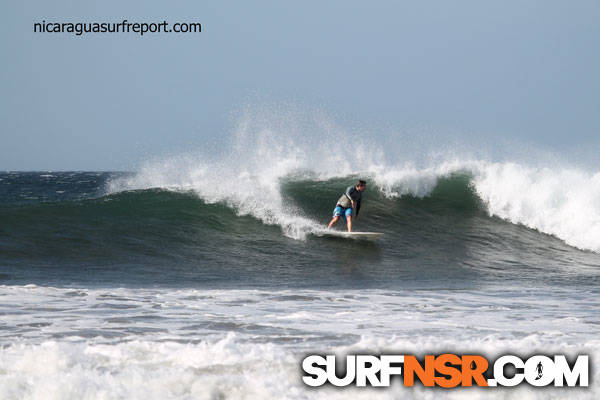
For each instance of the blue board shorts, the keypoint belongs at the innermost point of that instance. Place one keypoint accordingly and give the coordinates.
(340, 211)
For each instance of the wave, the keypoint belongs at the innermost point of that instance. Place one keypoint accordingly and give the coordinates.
(302, 206)
(252, 178)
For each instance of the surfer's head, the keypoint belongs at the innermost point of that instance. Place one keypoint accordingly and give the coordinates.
(361, 185)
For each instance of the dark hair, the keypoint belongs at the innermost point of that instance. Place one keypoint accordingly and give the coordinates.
(361, 183)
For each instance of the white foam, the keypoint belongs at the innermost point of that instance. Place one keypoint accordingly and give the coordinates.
(564, 202)
(194, 357)
(225, 369)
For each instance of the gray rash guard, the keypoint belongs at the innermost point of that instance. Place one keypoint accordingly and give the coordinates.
(351, 194)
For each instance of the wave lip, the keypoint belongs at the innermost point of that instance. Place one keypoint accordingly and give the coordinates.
(560, 202)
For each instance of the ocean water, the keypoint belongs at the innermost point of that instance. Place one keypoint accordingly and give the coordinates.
(204, 277)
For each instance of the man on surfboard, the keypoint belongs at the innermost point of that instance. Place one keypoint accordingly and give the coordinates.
(347, 203)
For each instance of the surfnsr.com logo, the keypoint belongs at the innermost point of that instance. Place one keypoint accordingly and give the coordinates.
(445, 370)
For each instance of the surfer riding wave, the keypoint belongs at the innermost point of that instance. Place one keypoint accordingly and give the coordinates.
(348, 204)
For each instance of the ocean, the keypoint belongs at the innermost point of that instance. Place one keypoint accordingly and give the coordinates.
(206, 278)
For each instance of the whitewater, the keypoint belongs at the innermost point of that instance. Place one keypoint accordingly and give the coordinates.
(246, 344)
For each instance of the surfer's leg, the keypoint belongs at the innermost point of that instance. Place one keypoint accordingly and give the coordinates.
(337, 212)
(348, 218)
(334, 221)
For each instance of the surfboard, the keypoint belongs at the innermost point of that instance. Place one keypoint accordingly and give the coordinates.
(352, 235)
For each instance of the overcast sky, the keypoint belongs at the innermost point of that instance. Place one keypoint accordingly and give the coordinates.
(517, 69)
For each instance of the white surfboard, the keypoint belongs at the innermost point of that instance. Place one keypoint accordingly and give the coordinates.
(351, 235)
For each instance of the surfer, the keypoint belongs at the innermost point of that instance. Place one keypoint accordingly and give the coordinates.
(348, 204)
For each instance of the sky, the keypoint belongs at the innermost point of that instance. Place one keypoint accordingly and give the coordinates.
(516, 70)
